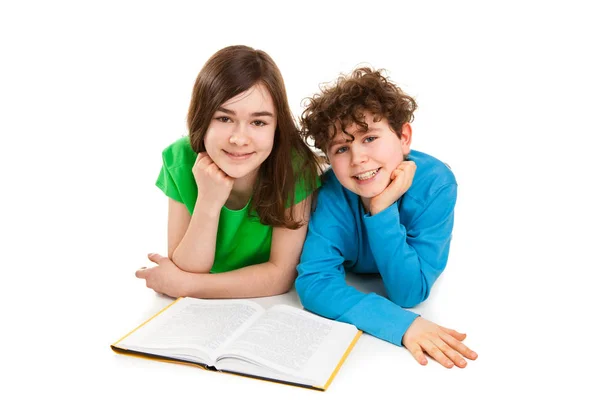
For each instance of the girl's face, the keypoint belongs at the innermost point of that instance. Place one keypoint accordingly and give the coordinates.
(241, 133)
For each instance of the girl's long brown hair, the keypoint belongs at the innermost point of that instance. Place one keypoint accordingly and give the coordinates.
(229, 72)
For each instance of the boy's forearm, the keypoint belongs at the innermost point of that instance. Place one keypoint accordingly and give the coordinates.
(332, 297)
(405, 275)
(409, 266)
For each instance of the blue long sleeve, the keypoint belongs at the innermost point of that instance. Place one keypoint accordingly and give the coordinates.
(321, 283)
(410, 262)
(407, 244)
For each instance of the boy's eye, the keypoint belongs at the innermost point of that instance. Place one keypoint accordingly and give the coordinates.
(369, 139)
(223, 119)
(341, 150)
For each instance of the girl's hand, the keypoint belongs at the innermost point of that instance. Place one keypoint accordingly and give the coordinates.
(442, 344)
(402, 178)
(164, 278)
(214, 185)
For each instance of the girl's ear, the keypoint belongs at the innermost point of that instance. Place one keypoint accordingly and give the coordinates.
(406, 138)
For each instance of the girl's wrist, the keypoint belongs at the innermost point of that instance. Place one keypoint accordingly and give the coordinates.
(208, 208)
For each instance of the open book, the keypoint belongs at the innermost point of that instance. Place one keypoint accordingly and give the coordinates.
(282, 344)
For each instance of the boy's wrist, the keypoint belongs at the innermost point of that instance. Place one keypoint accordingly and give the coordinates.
(374, 210)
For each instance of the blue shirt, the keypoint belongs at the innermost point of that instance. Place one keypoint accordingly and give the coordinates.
(407, 244)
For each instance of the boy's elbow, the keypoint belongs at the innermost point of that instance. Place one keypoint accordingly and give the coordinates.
(408, 301)
(411, 294)
(308, 293)
(410, 298)
(411, 303)
(301, 285)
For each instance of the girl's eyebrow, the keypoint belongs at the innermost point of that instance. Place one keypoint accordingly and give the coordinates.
(254, 114)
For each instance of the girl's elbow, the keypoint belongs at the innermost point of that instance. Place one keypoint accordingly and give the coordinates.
(191, 267)
(282, 280)
(282, 284)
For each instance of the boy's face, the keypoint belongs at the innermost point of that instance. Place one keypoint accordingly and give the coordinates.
(364, 165)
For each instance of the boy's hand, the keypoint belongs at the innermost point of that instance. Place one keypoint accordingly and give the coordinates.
(443, 344)
(214, 185)
(165, 278)
(402, 178)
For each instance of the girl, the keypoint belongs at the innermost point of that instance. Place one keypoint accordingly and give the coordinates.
(239, 185)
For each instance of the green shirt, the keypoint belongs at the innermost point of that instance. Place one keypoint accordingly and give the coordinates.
(241, 239)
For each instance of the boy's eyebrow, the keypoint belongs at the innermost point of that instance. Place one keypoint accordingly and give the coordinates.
(358, 133)
(254, 114)
(339, 141)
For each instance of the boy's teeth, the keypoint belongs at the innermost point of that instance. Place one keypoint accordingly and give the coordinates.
(366, 175)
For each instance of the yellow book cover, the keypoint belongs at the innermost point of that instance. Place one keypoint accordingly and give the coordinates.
(281, 344)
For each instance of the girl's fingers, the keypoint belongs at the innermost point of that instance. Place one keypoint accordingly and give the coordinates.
(203, 161)
(452, 354)
(200, 157)
(458, 346)
(155, 258)
(434, 351)
(142, 273)
(214, 170)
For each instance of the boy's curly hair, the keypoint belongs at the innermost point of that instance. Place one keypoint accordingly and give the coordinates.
(346, 101)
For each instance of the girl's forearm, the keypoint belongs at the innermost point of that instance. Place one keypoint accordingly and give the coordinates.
(196, 251)
(259, 280)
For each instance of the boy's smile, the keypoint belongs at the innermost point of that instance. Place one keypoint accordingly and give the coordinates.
(367, 177)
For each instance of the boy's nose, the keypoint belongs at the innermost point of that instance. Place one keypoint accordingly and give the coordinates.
(358, 157)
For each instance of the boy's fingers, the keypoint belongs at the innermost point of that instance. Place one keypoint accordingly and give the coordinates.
(416, 352)
(437, 354)
(450, 352)
(459, 346)
(455, 334)
(408, 164)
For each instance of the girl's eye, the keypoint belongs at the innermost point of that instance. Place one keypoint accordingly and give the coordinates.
(223, 119)
(369, 139)
(341, 150)
(259, 123)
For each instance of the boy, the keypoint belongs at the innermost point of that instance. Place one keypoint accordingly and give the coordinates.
(379, 210)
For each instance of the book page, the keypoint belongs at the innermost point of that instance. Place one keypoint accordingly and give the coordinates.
(191, 323)
(293, 342)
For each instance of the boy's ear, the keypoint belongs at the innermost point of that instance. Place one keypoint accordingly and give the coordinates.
(406, 138)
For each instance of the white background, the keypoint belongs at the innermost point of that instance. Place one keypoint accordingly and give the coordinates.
(91, 92)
